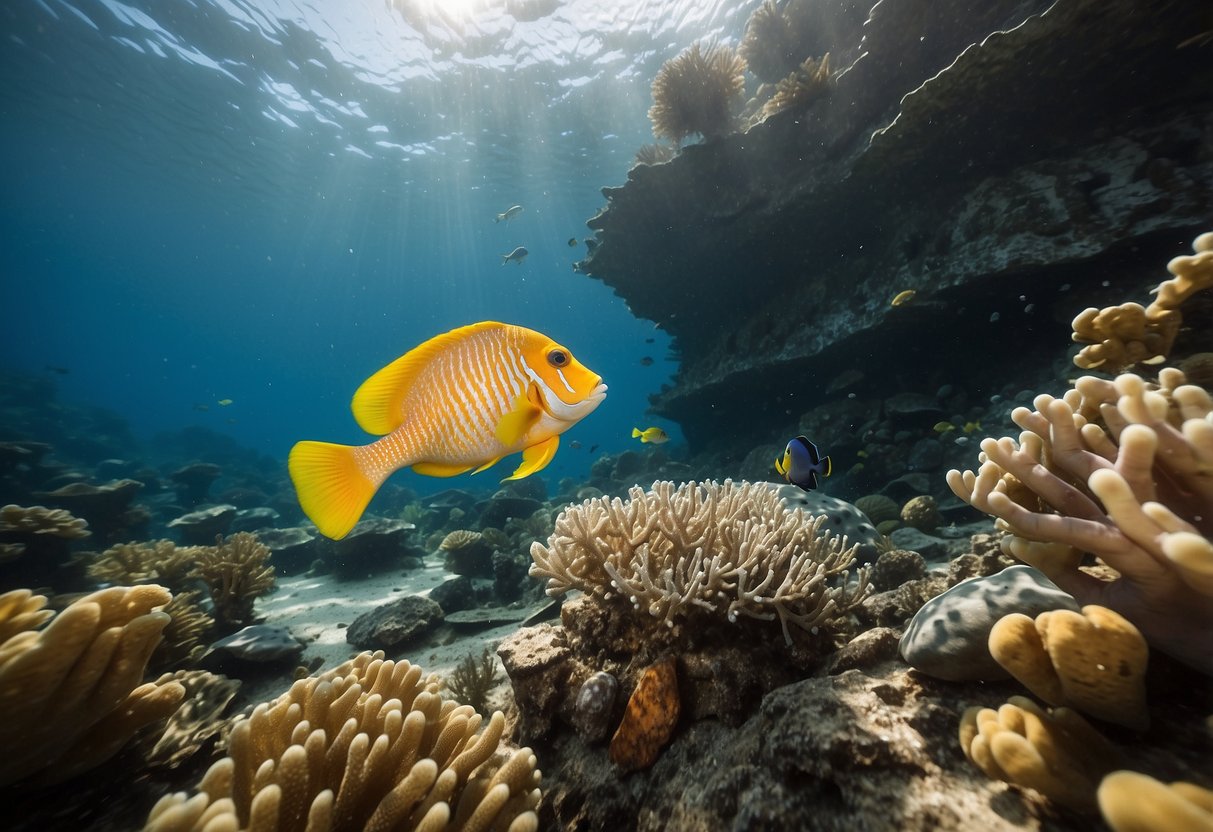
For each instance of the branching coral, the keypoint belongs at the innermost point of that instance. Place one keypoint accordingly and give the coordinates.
(70, 696)
(1121, 336)
(696, 92)
(237, 571)
(727, 548)
(160, 561)
(1136, 491)
(474, 678)
(369, 745)
(803, 86)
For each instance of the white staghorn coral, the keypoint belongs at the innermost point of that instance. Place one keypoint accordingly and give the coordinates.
(709, 546)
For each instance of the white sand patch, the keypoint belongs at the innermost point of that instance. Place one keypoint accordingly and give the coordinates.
(319, 609)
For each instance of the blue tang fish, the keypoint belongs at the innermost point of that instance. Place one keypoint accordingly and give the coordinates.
(801, 463)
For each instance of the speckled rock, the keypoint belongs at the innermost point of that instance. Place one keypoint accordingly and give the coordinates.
(948, 637)
(398, 624)
(841, 518)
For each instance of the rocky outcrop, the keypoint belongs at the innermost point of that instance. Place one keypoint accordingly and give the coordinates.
(1009, 162)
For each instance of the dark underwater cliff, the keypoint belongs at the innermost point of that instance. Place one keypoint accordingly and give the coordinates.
(1010, 162)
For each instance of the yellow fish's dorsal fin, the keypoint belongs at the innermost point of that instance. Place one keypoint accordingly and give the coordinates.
(333, 489)
(521, 418)
(535, 458)
(439, 469)
(378, 404)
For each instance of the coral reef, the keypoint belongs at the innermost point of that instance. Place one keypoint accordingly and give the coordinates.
(697, 91)
(70, 693)
(1093, 661)
(1123, 470)
(186, 634)
(369, 744)
(237, 571)
(655, 154)
(1119, 337)
(730, 549)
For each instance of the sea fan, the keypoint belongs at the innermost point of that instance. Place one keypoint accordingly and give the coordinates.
(770, 45)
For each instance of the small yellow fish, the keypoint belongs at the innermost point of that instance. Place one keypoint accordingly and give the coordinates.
(944, 427)
(223, 402)
(655, 436)
(903, 297)
(460, 401)
(861, 454)
(970, 427)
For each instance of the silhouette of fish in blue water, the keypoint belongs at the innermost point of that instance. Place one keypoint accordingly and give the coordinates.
(508, 214)
(801, 464)
(516, 256)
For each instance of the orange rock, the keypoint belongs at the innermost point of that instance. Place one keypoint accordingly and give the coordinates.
(650, 718)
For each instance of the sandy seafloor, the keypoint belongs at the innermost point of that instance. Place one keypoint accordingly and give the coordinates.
(318, 609)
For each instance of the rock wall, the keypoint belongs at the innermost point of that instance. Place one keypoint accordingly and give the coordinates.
(1011, 163)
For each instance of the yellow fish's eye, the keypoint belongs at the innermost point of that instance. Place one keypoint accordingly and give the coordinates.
(558, 358)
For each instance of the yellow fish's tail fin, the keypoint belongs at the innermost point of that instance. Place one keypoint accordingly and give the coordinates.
(333, 489)
(637, 432)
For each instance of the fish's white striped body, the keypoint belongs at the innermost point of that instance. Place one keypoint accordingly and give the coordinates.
(458, 402)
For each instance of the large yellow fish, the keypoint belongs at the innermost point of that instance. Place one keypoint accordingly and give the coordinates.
(458, 402)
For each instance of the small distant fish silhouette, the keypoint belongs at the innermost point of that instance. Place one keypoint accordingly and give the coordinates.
(52, 368)
(593, 448)
(649, 340)
(517, 256)
(509, 213)
(970, 427)
(572, 242)
(201, 408)
(654, 436)
(802, 462)
(575, 444)
(903, 297)
(944, 427)
(223, 402)
(646, 361)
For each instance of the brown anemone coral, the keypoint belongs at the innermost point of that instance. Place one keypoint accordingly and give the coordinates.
(770, 46)
(697, 91)
(803, 86)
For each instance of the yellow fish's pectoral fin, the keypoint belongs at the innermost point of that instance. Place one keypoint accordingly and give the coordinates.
(487, 465)
(439, 469)
(515, 424)
(535, 458)
(332, 488)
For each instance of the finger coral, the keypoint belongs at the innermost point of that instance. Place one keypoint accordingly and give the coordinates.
(697, 91)
(1093, 661)
(70, 693)
(1121, 336)
(1122, 470)
(369, 745)
(1058, 754)
(1132, 802)
(725, 548)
